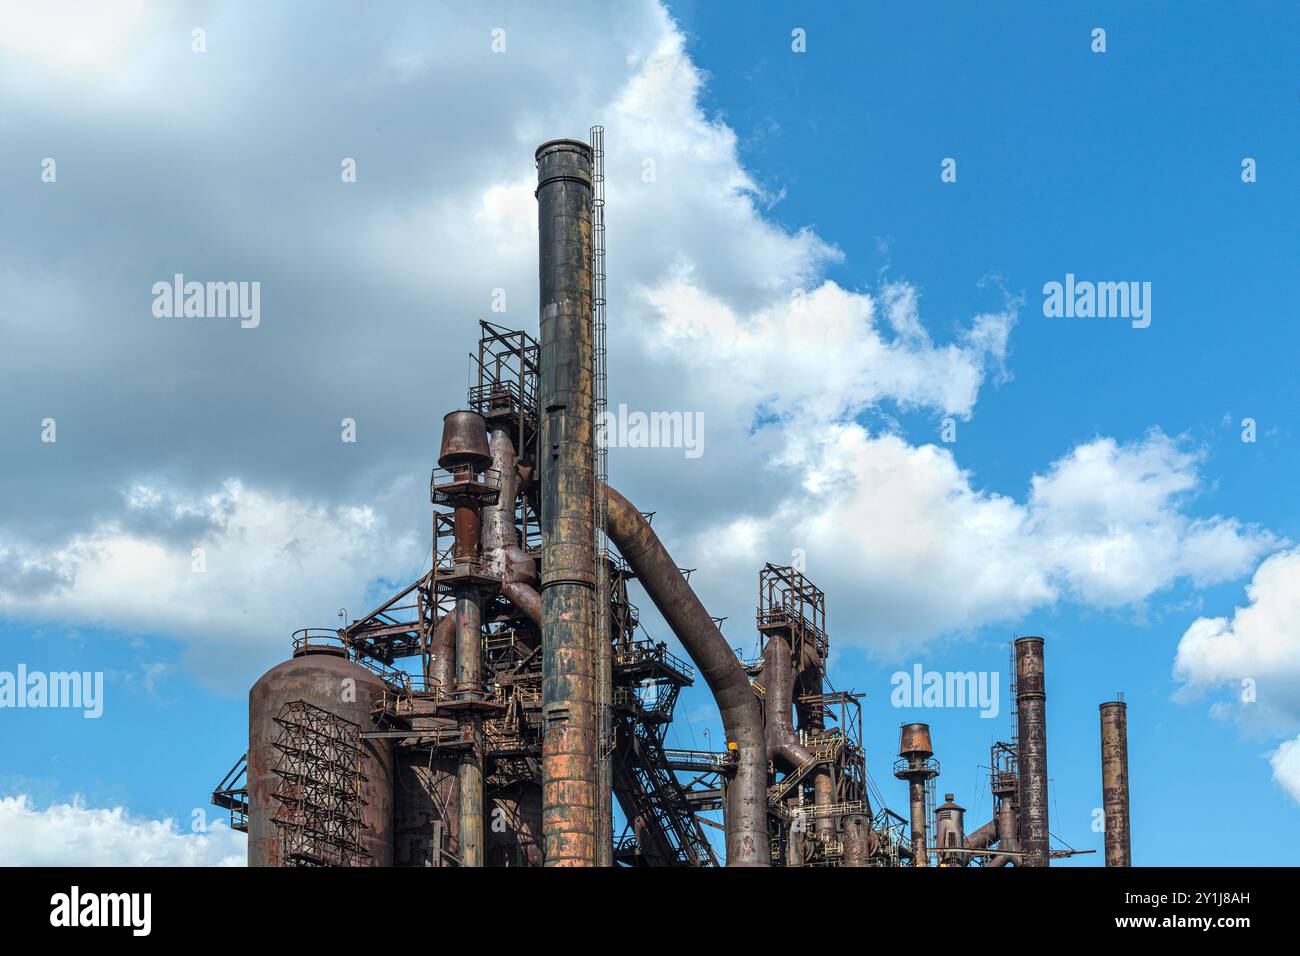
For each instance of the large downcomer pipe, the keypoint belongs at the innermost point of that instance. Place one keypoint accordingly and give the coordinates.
(1114, 781)
(1031, 705)
(565, 456)
(742, 717)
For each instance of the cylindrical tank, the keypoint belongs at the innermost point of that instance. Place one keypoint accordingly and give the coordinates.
(950, 830)
(1114, 781)
(464, 440)
(914, 739)
(322, 676)
(857, 840)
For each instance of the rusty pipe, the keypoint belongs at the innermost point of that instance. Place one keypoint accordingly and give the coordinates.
(778, 687)
(444, 782)
(469, 686)
(1031, 706)
(742, 718)
(916, 808)
(442, 653)
(1114, 782)
(1008, 838)
(501, 551)
(983, 836)
(859, 839)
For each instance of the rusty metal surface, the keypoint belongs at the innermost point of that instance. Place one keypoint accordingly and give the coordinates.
(778, 683)
(950, 831)
(858, 839)
(334, 684)
(496, 751)
(742, 717)
(916, 765)
(1008, 832)
(514, 836)
(915, 739)
(425, 816)
(1114, 782)
(566, 442)
(464, 440)
(1031, 706)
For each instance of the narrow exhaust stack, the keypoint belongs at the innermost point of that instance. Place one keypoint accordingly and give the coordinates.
(1031, 705)
(916, 765)
(1114, 781)
(465, 454)
(565, 457)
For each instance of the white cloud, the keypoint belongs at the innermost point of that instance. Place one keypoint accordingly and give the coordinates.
(1286, 767)
(1255, 654)
(73, 35)
(713, 308)
(821, 356)
(1259, 643)
(270, 563)
(911, 548)
(72, 834)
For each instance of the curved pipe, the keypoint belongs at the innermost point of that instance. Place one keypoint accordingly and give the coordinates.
(983, 836)
(742, 718)
(525, 598)
(500, 537)
(1008, 837)
(778, 681)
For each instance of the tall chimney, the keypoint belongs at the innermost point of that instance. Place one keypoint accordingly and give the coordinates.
(1114, 781)
(565, 455)
(1031, 706)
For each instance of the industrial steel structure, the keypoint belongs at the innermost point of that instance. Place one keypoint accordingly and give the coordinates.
(497, 709)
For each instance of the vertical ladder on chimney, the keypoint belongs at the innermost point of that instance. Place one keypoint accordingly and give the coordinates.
(604, 652)
(1013, 692)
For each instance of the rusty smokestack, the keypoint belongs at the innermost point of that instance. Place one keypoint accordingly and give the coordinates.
(465, 454)
(916, 765)
(1114, 781)
(1031, 707)
(565, 456)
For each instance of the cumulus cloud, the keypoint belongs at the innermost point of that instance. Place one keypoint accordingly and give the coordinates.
(1259, 643)
(73, 834)
(236, 569)
(1286, 767)
(912, 548)
(370, 291)
(823, 355)
(1254, 654)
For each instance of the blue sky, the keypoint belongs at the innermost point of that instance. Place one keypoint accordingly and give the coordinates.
(1115, 166)
(1122, 164)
